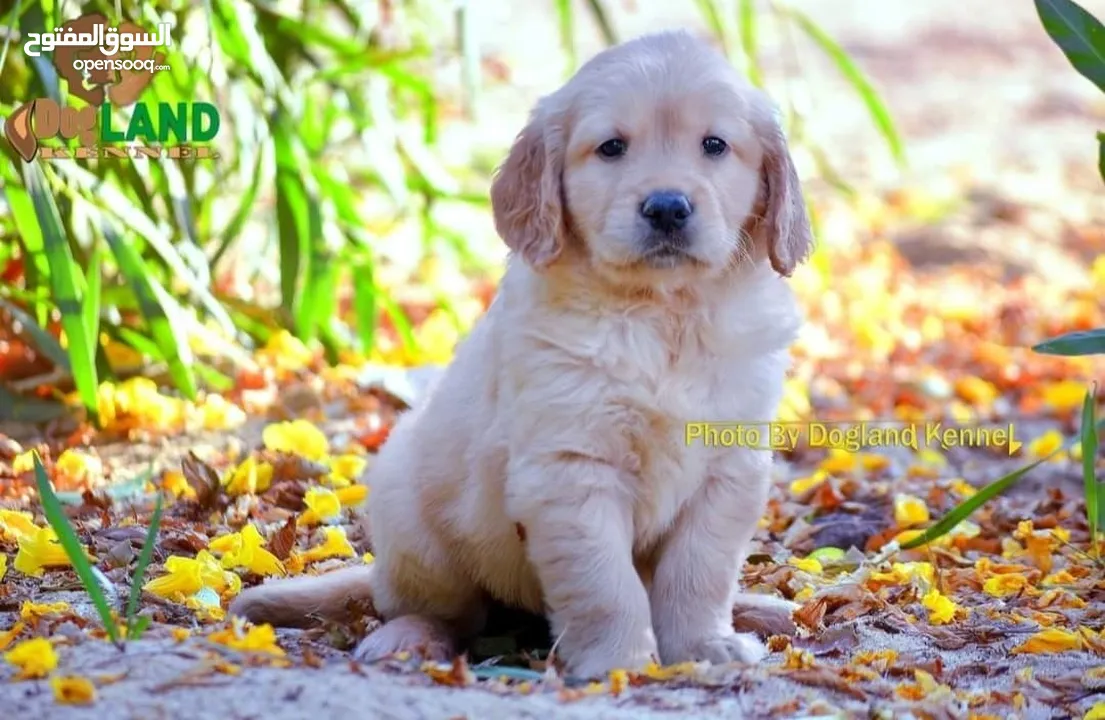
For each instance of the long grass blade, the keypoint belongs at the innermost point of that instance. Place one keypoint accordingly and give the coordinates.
(712, 14)
(859, 81)
(364, 302)
(296, 217)
(66, 283)
(36, 266)
(1101, 155)
(93, 294)
(565, 23)
(1088, 433)
(144, 557)
(241, 215)
(964, 509)
(107, 199)
(67, 538)
(601, 17)
(154, 304)
(750, 41)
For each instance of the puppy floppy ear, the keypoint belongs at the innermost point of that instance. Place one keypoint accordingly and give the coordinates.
(526, 194)
(783, 225)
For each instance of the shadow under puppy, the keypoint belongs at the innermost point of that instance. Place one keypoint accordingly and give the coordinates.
(652, 207)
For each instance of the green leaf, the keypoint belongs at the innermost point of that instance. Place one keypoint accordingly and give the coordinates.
(299, 223)
(242, 214)
(65, 284)
(964, 509)
(43, 341)
(848, 68)
(144, 557)
(1088, 435)
(1082, 342)
(22, 208)
(1078, 34)
(105, 199)
(93, 282)
(565, 23)
(67, 538)
(154, 304)
(749, 41)
(136, 626)
(364, 303)
(712, 13)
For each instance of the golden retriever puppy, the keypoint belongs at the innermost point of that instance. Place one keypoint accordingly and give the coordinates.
(652, 207)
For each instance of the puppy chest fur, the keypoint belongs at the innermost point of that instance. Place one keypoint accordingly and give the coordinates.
(618, 385)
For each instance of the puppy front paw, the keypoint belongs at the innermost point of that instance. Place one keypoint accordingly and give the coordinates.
(596, 663)
(417, 635)
(718, 649)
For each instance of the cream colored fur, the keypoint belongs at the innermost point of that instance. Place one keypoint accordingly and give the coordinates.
(548, 468)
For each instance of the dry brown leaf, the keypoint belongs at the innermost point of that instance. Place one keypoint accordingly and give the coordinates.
(203, 478)
(828, 678)
(283, 540)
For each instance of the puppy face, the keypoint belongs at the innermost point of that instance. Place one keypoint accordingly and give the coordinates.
(656, 162)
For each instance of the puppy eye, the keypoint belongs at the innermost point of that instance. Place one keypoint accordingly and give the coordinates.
(612, 148)
(714, 146)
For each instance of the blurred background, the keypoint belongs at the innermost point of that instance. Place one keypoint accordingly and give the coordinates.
(947, 150)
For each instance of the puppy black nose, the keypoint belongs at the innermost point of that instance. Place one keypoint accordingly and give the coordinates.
(666, 210)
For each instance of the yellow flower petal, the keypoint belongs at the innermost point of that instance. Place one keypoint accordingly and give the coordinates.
(323, 506)
(73, 690)
(335, 544)
(1064, 395)
(941, 608)
(174, 483)
(1046, 444)
(74, 468)
(247, 550)
(910, 511)
(1051, 640)
(258, 638)
(345, 470)
(249, 477)
(1097, 712)
(804, 484)
(24, 462)
(31, 611)
(16, 525)
(3, 565)
(352, 495)
(297, 437)
(368, 558)
(1005, 584)
(807, 564)
(40, 550)
(34, 658)
(10, 635)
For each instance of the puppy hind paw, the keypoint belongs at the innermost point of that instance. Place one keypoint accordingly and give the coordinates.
(421, 637)
(720, 650)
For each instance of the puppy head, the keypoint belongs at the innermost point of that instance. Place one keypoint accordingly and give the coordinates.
(656, 160)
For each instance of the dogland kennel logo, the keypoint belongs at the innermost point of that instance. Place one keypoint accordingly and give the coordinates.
(109, 68)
